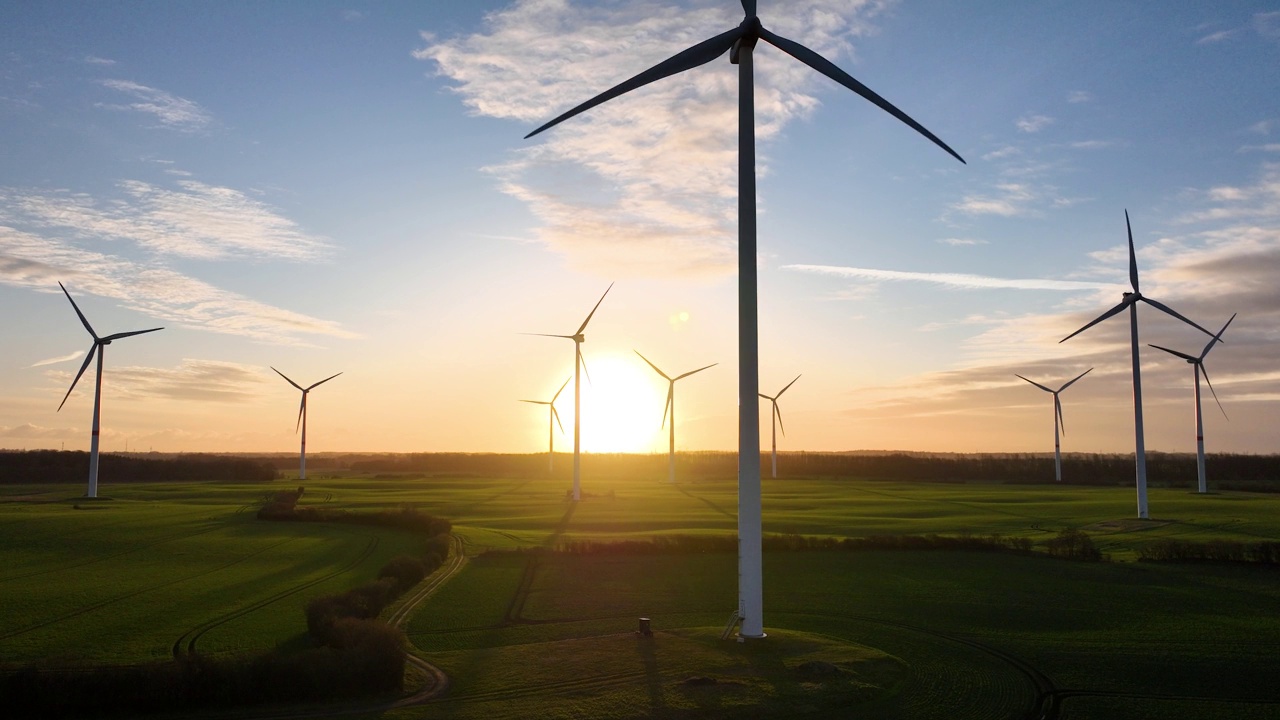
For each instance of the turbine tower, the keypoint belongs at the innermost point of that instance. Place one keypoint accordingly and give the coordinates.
(1057, 420)
(302, 418)
(740, 42)
(578, 363)
(671, 405)
(1197, 362)
(97, 346)
(552, 421)
(1130, 301)
(776, 422)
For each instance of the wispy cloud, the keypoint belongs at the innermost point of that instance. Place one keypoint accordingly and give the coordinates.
(643, 180)
(961, 242)
(198, 380)
(95, 60)
(1268, 147)
(1217, 37)
(74, 355)
(173, 112)
(1262, 127)
(27, 431)
(191, 220)
(1079, 96)
(951, 280)
(29, 260)
(1092, 144)
(1033, 123)
(1012, 199)
(1267, 24)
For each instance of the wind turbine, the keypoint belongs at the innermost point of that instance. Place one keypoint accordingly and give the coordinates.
(671, 405)
(578, 338)
(776, 422)
(551, 428)
(1198, 364)
(740, 42)
(1130, 300)
(302, 418)
(97, 346)
(1057, 420)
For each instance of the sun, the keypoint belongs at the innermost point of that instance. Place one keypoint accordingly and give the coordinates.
(621, 405)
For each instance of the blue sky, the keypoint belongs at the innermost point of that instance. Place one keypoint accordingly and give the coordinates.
(331, 187)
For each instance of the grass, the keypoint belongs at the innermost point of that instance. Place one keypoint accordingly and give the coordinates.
(915, 634)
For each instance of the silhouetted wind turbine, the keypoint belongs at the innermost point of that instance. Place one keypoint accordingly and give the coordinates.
(776, 422)
(1198, 364)
(1130, 301)
(302, 418)
(671, 405)
(578, 338)
(552, 421)
(1057, 420)
(98, 345)
(740, 42)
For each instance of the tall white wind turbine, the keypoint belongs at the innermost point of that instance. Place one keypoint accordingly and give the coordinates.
(96, 348)
(1130, 301)
(671, 406)
(302, 418)
(776, 422)
(1197, 363)
(740, 42)
(552, 421)
(1057, 419)
(578, 338)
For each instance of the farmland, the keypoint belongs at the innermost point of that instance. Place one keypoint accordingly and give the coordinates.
(523, 630)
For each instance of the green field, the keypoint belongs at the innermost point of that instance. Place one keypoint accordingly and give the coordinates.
(522, 634)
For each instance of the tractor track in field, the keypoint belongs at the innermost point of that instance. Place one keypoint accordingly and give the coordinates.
(1060, 695)
(192, 636)
(135, 593)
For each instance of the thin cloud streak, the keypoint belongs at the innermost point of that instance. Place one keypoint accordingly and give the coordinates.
(173, 112)
(74, 355)
(952, 280)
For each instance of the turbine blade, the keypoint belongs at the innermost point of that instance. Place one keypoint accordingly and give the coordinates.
(1184, 356)
(655, 367)
(302, 408)
(671, 389)
(577, 347)
(556, 415)
(87, 359)
(286, 377)
(1126, 302)
(793, 382)
(778, 411)
(695, 371)
(569, 337)
(766, 397)
(826, 67)
(77, 309)
(1133, 257)
(1215, 393)
(562, 387)
(324, 380)
(1167, 309)
(749, 7)
(117, 336)
(537, 402)
(700, 54)
(1072, 380)
(1033, 382)
(1057, 406)
(593, 310)
(1216, 338)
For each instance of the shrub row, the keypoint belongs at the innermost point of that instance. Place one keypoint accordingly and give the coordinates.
(1228, 551)
(794, 542)
(1073, 544)
(327, 615)
(283, 509)
(366, 657)
(54, 466)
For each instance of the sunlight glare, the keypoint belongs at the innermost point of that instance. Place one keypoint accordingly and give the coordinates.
(621, 406)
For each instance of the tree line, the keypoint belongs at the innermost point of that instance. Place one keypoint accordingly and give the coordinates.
(56, 466)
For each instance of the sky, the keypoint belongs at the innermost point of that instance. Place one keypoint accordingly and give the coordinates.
(330, 187)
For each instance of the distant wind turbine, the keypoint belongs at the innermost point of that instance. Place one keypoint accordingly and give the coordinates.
(1130, 301)
(302, 418)
(1197, 362)
(740, 42)
(578, 363)
(671, 406)
(98, 345)
(776, 422)
(552, 421)
(1057, 419)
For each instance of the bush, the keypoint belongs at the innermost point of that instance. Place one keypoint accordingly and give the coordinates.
(1073, 544)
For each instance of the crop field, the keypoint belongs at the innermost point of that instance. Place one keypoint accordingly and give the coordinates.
(523, 631)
